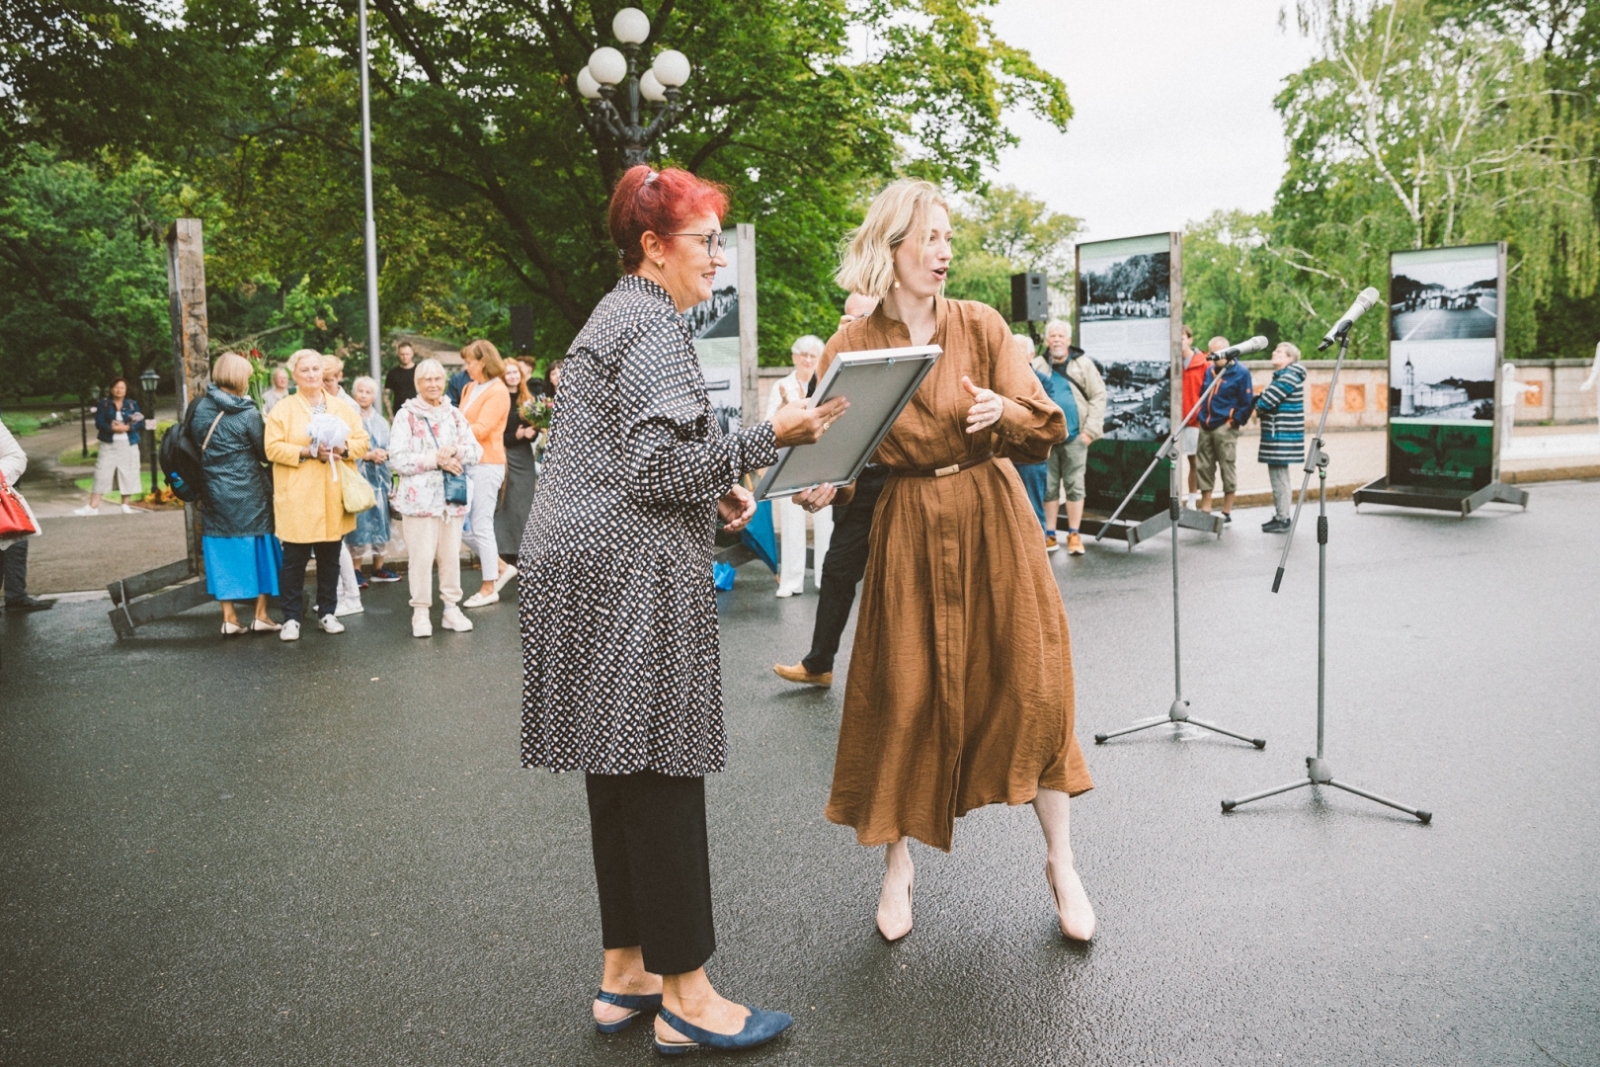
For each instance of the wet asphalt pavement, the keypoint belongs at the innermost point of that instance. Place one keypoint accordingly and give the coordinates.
(325, 853)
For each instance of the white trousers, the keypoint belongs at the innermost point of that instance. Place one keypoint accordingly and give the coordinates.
(349, 588)
(792, 531)
(479, 535)
(432, 542)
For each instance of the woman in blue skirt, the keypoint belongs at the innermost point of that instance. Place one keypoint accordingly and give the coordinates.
(241, 554)
(372, 526)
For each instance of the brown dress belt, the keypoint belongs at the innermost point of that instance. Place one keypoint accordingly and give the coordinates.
(940, 472)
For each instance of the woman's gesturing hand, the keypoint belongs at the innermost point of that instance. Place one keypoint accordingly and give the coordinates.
(737, 508)
(796, 424)
(987, 407)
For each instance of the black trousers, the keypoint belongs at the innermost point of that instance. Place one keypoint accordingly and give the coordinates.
(653, 867)
(14, 573)
(842, 570)
(292, 578)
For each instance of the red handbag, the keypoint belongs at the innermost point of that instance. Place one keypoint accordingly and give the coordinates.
(14, 518)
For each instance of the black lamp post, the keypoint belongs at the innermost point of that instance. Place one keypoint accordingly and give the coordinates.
(149, 379)
(610, 72)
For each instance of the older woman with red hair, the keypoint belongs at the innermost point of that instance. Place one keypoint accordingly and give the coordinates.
(619, 632)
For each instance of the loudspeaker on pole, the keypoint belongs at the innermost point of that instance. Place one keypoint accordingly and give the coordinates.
(1030, 297)
(521, 327)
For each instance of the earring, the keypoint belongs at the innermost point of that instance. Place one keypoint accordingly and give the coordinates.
(661, 264)
(897, 283)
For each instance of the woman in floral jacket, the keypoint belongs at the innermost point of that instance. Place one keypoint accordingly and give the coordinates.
(430, 437)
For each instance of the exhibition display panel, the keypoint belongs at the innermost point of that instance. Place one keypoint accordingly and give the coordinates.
(1123, 320)
(1446, 340)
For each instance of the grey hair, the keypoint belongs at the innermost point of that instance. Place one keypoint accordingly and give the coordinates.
(369, 380)
(1064, 324)
(428, 366)
(810, 344)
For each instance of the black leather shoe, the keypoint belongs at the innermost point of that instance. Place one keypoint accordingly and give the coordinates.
(29, 603)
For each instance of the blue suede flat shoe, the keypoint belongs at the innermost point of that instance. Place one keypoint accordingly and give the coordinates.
(759, 1028)
(650, 1002)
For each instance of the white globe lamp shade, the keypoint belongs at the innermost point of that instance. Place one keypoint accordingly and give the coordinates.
(587, 86)
(607, 66)
(631, 26)
(671, 68)
(651, 89)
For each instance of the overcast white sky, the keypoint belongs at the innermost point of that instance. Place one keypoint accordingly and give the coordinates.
(1173, 101)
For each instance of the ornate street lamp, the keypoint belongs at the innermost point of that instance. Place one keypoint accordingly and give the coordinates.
(610, 72)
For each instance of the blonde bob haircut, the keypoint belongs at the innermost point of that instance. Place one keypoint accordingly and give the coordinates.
(293, 362)
(481, 351)
(899, 212)
(232, 372)
(427, 368)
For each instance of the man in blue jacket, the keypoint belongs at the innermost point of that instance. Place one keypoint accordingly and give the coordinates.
(1224, 412)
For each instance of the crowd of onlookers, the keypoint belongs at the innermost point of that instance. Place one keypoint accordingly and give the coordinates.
(455, 460)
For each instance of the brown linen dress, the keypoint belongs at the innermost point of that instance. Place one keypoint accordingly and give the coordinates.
(960, 689)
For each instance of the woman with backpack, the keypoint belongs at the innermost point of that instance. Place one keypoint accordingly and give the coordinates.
(242, 556)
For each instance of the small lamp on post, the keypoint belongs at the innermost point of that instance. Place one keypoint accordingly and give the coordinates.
(150, 379)
(610, 72)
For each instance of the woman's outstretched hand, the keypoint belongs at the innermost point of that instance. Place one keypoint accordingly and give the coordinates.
(737, 508)
(797, 424)
(987, 407)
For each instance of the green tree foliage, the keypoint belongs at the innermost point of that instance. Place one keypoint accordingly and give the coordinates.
(1420, 125)
(1003, 231)
(491, 188)
(84, 272)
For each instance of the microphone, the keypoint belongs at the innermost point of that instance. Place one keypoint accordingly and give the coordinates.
(1244, 348)
(1364, 303)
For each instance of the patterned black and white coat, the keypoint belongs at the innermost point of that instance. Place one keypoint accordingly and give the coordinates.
(621, 669)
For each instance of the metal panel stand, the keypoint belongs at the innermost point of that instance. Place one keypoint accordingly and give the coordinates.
(1317, 770)
(1462, 502)
(1175, 518)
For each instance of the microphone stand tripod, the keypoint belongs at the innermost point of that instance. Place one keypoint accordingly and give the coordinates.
(1178, 713)
(1317, 770)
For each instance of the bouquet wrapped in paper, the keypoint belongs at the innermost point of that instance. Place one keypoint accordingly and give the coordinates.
(537, 412)
(327, 431)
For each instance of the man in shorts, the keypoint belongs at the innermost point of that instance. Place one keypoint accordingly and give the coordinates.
(1194, 376)
(1222, 415)
(1074, 380)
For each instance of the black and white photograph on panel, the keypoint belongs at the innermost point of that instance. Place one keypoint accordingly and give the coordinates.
(1124, 300)
(714, 325)
(1444, 294)
(1440, 380)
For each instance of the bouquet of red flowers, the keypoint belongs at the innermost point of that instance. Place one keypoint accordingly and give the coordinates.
(537, 412)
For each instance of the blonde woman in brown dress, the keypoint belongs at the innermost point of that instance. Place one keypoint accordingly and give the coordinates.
(960, 690)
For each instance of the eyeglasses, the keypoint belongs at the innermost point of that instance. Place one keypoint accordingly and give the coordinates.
(715, 242)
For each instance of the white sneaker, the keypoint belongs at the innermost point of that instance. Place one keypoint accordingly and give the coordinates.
(454, 620)
(785, 591)
(478, 600)
(126, 510)
(290, 631)
(330, 624)
(421, 625)
(507, 572)
(86, 510)
(348, 607)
